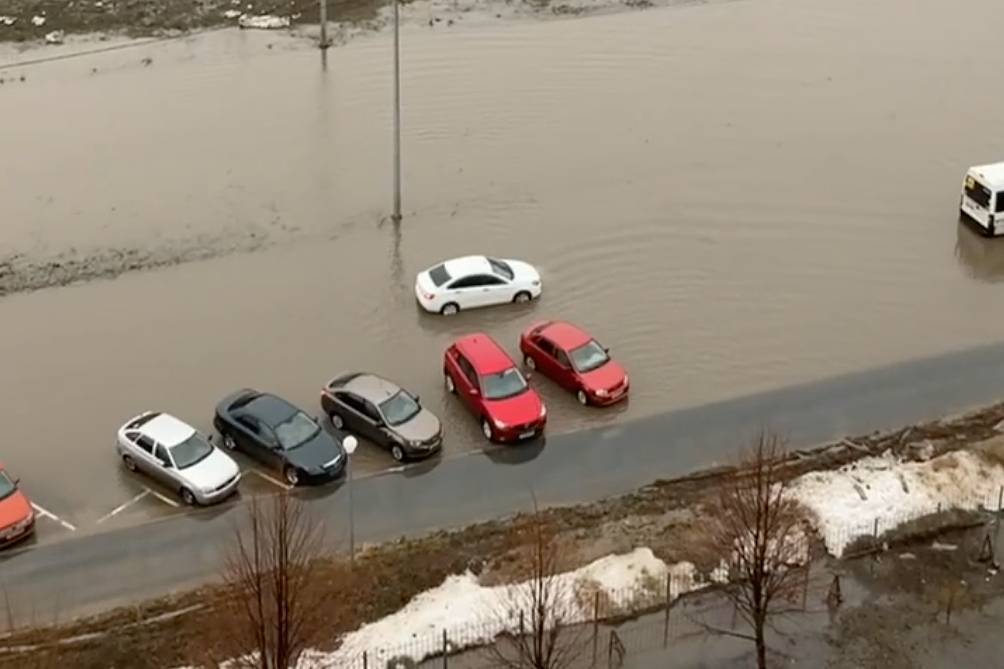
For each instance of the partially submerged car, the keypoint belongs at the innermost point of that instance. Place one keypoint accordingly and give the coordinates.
(175, 454)
(17, 517)
(382, 412)
(476, 281)
(279, 436)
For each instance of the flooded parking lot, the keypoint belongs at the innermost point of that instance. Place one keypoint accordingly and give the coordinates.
(733, 197)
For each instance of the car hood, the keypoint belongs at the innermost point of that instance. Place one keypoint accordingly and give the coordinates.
(14, 508)
(605, 377)
(423, 426)
(212, 471)
(317, 453)
(523, 271)
(523, 408)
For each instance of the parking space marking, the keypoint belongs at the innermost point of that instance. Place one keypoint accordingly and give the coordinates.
(52, 516)
(163, 498)
(122, 507)
(270, 479)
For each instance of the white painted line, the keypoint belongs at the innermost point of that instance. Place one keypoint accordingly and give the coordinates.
(122, 507)
(270, 479)
(52, 516)
(163, 498)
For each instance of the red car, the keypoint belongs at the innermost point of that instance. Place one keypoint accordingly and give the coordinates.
(575, 361)
(17, 518)
(491, 385)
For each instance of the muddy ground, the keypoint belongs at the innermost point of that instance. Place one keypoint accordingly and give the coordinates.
(181, 629)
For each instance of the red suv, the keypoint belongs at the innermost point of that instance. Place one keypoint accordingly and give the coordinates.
(491, 385)
(575, 361)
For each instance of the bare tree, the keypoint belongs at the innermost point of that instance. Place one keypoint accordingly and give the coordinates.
(274, 600)
(756, 535)
(541, 608)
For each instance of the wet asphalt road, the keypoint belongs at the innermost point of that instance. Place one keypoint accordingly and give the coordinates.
(91, 573)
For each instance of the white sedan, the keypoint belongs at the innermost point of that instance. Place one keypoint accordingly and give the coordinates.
(475, 281)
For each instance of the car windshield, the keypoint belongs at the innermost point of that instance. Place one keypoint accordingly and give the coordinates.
(191, 451)
(295, 430)
(439, 275)
(504, 384)
(501, 268)
(400, 408)
(589, 356)
(7, 486)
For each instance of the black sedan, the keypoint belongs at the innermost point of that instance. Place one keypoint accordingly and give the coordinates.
(280, 436)
(383, 412)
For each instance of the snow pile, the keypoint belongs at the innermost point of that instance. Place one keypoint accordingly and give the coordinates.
(470, 612)
(846, 502)
(8, 20)
(264, 22)
(38, 21)
(232, 13)
(55, 37)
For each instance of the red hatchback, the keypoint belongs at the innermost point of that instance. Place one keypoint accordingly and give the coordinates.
(17, 518)
(575, 361)
(487, 380)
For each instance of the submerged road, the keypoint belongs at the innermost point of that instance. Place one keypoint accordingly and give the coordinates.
(85, 575)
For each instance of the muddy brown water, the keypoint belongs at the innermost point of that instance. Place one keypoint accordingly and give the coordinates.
(732, 196)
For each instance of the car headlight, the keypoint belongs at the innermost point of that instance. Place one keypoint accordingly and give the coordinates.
(602, 392)
(625, 379)
(499, 424)
(543, 410)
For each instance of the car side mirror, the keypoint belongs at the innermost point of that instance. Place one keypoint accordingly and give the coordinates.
(17, 481)
(417, 399)
(212, 438)
(606, 349)
(473, 391)
(528, 375)
(165, 465)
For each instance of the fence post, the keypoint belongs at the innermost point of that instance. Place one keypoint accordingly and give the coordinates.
(669, 602)
(1000, 500)
(522, 629)
(596, 624)
(365, 660)
(445, 649)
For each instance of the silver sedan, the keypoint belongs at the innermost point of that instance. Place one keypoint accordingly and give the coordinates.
(175, 454)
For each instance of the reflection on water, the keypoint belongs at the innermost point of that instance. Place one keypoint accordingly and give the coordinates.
(981, 257)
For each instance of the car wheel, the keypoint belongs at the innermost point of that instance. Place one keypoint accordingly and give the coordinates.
(229, 443)
(129, 463)
(397, 453)
(291, 475)
(521, 297)
(187, 497)
(450, 308)
(450, 386)
(529, 362)
(337, 421)
(486, 429)
(582, 397)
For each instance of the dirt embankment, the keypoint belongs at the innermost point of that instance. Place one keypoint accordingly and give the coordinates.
(663, 516)
(140, 18)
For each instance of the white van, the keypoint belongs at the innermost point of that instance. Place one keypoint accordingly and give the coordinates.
(983, 197)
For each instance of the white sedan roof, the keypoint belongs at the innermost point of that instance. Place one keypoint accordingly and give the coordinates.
(468, 265)
(167, 430)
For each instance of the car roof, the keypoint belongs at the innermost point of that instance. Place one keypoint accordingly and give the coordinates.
(565, 335)
(371, 387)
(468, 265)
(269, 408)
(484, 353)
(166, 429)
(992, 175)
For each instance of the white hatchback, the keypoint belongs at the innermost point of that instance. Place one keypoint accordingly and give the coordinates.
(475, 281)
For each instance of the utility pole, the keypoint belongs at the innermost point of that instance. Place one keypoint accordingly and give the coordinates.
(396, 216)
(324, 24)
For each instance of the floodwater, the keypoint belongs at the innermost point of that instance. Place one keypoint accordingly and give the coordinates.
(732, 196)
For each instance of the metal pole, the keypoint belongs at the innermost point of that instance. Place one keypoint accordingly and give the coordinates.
(396, 216)
(324, 24)
(352, 518)
(669, 603)
(446, 649)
